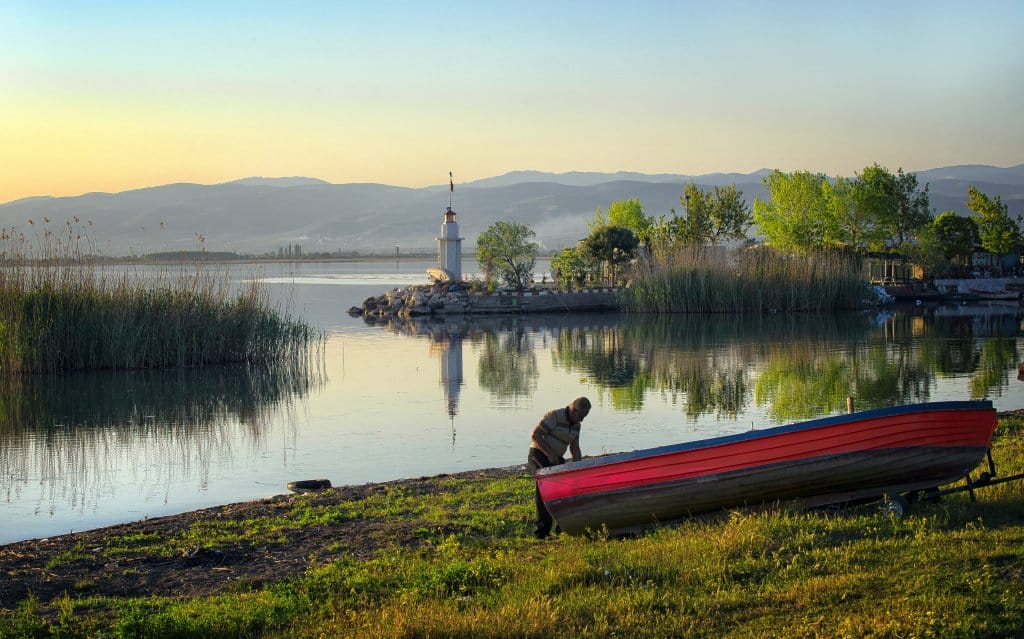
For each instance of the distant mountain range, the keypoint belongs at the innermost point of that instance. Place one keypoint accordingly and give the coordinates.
(259, 215)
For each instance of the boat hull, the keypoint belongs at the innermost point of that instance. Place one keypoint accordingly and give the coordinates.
(818, 462)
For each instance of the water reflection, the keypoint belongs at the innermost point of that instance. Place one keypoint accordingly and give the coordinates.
(74, 434)
(507, 364)
(703, 363)
(793, 366)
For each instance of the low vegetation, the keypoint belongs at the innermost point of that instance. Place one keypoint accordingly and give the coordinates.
(701, 279)
(450, 557)
(59, 310)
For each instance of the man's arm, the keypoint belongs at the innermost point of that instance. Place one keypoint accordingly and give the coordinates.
(574, 448)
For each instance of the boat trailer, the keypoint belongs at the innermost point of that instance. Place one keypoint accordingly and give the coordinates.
(898, 505)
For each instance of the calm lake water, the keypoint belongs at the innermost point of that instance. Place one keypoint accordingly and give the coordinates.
(405, 399)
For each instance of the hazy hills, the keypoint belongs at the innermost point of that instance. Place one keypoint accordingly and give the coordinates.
(257, 215)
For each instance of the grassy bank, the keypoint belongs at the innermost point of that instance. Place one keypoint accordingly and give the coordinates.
(450, 557)
(698, 279)
(59, 311)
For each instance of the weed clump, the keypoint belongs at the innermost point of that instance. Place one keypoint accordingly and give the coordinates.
(702, 279)
(61, 309)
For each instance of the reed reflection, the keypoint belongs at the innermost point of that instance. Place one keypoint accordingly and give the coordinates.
(72, 434)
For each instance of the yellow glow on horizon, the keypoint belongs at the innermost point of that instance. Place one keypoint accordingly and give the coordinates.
(71, 146)
(65, 145)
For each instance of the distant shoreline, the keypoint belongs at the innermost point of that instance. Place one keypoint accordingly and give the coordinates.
(224, 258)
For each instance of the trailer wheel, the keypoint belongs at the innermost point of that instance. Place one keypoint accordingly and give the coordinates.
(896, 506)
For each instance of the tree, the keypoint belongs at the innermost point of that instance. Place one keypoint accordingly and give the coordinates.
(895, 201)
(613, 245)
(573, 266)
(928, 251)
(694, 226)
(956, 236)
(852, 223)
(794, 217)
(627, 214)
(508, 250)
(999, 234)
(708, 217)
(729, 216)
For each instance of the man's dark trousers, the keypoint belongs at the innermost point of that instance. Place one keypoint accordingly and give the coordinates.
(536, 460)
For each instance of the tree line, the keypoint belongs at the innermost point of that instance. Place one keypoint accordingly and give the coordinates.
(876, 211)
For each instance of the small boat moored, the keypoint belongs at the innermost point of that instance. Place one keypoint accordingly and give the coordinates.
(830, 460)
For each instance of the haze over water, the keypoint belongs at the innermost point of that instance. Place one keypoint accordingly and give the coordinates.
(401, 399)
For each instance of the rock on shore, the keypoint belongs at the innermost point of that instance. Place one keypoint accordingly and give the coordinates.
(455, 299)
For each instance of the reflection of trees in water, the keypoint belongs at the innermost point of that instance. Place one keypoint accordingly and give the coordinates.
(605, 355)
(977, 341)
(702, 362)
(72, 433)
(798, 365)
(998, 356)
(508, 363)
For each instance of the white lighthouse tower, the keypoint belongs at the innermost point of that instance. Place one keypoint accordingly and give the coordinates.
(449, 245)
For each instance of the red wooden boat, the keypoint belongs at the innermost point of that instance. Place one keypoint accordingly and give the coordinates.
(823, 461)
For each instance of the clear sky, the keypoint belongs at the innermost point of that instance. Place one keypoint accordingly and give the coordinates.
(109, 96)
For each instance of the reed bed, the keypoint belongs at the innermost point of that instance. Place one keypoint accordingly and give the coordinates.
(698, 279)
(60, 311)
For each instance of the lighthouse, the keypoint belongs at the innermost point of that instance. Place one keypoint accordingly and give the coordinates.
(449, 245)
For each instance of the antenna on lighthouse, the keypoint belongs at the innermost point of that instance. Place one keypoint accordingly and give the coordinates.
(451, 188)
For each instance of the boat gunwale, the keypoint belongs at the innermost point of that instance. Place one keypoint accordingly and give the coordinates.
(822, 422)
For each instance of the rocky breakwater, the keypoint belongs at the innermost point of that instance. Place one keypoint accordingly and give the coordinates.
(416, 301)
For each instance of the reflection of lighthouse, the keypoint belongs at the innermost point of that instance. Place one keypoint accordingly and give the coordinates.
(451, 372)
(448, 346)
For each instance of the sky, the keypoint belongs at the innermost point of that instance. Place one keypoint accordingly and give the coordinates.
(112, 96)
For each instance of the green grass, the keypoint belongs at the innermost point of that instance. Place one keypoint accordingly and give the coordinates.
(751, 280)
(60, 311)
(950, 569)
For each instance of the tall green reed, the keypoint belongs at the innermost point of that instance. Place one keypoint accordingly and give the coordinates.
(700, 279)
(60, 310)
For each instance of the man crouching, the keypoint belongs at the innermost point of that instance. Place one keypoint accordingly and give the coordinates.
(557, 431)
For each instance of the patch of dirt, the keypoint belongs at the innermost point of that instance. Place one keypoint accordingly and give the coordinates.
(35, 566)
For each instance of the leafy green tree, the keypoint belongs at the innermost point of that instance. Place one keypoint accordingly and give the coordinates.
(928, 251)
(708, 217)
(956, 235)
(851, 223)
(795, 215)
(694, 226)
(896, 202)
(729, 217)
(998, 233)
(573, 267)
(508, 250)
(625, 213)
(613, 245)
